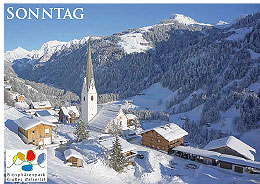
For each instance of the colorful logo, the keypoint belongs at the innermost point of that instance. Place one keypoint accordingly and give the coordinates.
(28, 162)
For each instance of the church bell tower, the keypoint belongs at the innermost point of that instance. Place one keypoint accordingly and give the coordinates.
(89, 92)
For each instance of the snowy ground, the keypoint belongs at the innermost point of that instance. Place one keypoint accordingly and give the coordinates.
(154, 168)
(150, 98)
(134, 42)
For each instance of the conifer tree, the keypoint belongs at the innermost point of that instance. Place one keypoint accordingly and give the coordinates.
(81, 132)
(117, 159)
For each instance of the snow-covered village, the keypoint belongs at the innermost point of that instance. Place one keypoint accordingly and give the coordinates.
(174, 102)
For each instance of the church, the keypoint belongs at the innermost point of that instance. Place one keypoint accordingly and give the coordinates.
(106, 119)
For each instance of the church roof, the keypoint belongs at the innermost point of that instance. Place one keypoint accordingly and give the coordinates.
(105, 115)
(89, 68)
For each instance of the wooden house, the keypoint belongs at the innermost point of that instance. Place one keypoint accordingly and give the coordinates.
(34, 130)
(231, 146)
(43, 105)
(73, 158)
(164, 137)
(48, 115)
(68, 114)
(19, 98)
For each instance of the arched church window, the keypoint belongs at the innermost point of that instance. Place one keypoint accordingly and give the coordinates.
(92, 98)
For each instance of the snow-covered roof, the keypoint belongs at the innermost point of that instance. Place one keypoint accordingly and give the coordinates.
(12, 113)
(104, 116)
(72, 153)
(69, 110)
(42, 104)
(218, 156)
(197, 151)
(233, 143)
(169, 131)
(107, 143)
(131, 116)
(50, 119)
(27, 122)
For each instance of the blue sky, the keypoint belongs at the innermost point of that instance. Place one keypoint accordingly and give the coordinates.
(106, 19)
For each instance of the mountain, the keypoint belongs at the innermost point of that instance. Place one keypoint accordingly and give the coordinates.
(17, 53)
(215, 73)
(44, 53)
(186, 20)
(221, 22)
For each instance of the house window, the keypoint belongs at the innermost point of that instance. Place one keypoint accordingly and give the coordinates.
(158, 140)
(151, 133)
(84, 98)
(33, 132)
(92, 98)
(47, 130)
(158, 147)
(162, 147)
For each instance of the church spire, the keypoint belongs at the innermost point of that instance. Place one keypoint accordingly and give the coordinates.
(89, 68)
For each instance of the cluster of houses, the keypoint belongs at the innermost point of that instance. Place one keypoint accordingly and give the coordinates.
(228, 152)
(36, 127)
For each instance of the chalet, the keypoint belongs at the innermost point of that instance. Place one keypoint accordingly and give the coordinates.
(43, 105)
(19, 98)
(164, 137)
(109, 119)
(231, 146)
(73, 158)
(47, 115)
(33, 130)
(129, 150)
(68, 114)
(131, 118)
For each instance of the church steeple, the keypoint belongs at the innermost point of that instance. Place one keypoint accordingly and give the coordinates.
(88, 93)
(89, 68)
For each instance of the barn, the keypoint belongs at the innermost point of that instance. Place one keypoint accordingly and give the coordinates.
(230, 145)
(164, 137)
(73, 158)
(34, 130)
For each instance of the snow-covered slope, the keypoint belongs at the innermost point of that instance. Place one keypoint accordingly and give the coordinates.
(134, 42)
(149, 98)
